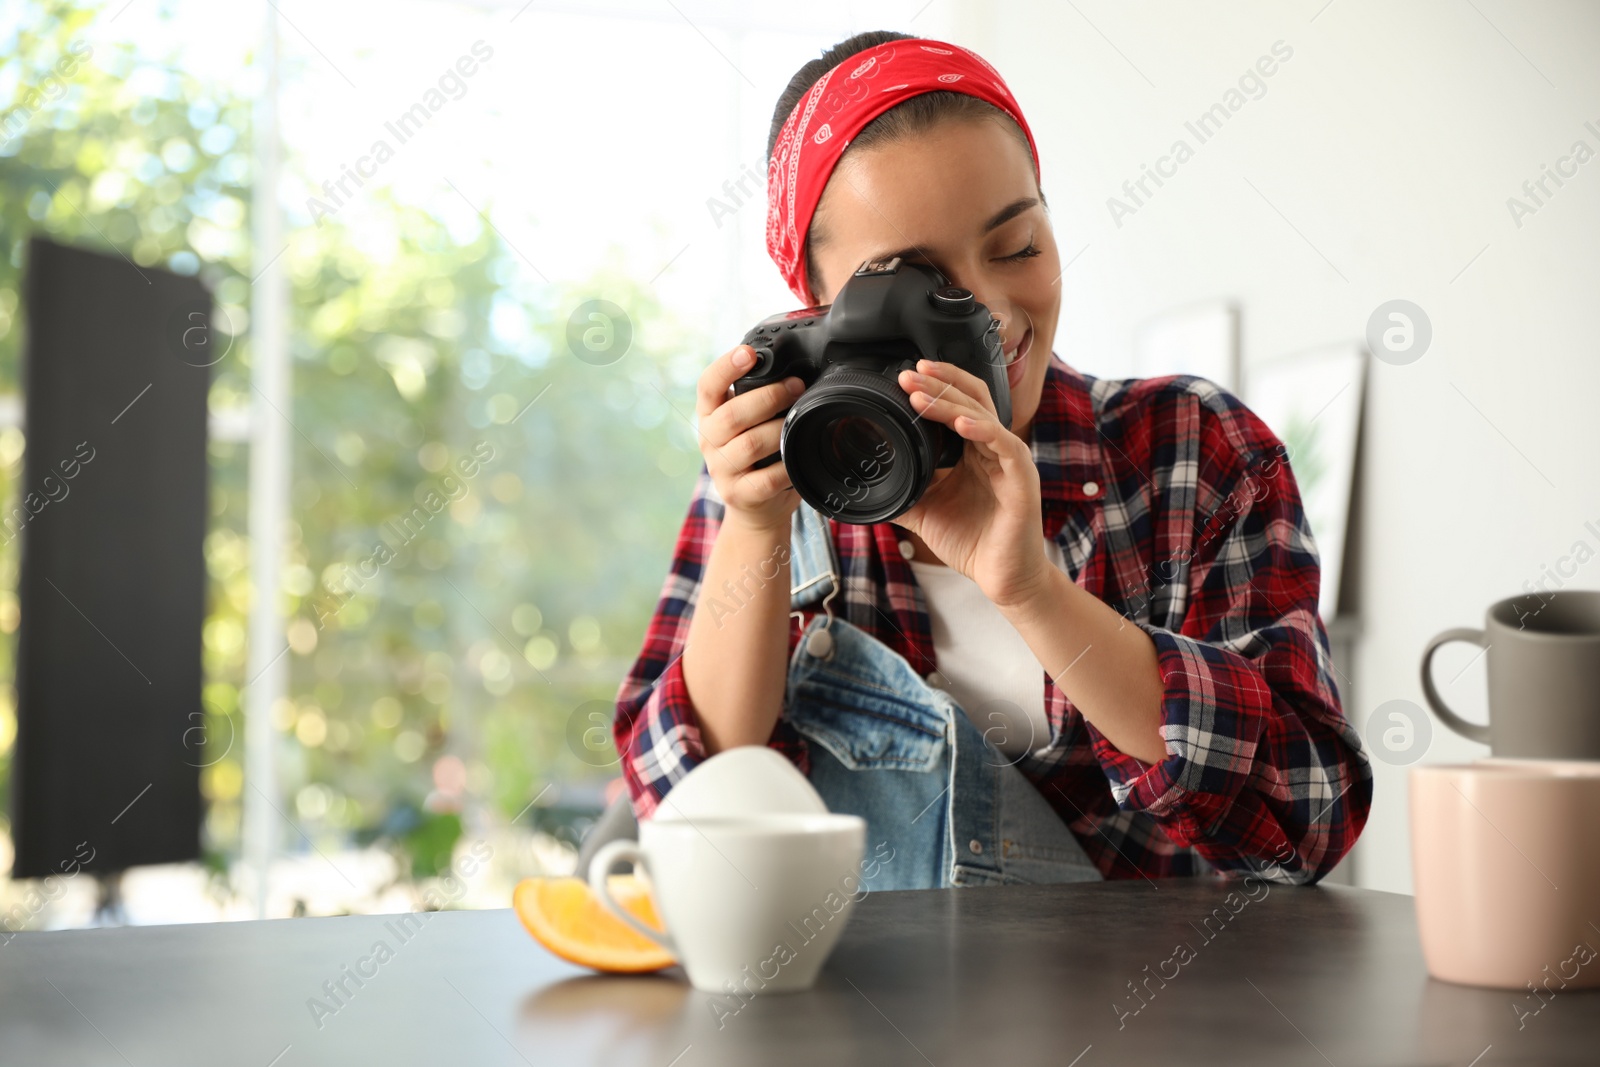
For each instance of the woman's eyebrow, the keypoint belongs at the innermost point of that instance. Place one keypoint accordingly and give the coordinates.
(1001, 217)
(1010, 211)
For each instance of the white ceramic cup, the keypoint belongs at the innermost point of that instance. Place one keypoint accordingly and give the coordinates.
(1506, 860)
(752, 903)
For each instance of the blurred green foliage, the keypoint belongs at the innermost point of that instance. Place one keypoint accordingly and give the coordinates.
(438, 684)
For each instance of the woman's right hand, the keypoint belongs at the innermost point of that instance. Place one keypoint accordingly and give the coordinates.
(736, 431)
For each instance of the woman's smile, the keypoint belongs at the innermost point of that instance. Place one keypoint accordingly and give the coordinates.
(1018, 368)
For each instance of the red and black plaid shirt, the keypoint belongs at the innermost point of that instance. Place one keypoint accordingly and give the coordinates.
(1173, 503)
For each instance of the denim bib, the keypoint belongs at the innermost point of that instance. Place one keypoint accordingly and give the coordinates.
(941, 802)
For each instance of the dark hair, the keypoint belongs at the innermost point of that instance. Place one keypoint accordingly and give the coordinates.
(905, 120)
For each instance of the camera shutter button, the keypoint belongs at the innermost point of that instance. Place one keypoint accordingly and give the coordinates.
(953, 300)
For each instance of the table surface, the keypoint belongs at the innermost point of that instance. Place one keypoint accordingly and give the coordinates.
(1003, 975)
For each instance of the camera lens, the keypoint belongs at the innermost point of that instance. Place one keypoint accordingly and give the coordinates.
(858, 446)
(854, 447)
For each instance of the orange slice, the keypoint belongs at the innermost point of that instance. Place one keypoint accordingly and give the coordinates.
(563, 915)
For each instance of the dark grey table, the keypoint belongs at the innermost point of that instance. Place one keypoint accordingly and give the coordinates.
(998, 976)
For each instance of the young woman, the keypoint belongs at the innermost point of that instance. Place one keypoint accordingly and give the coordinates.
(1092, 648)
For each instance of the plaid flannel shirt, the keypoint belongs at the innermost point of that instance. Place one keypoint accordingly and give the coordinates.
(1174, 504)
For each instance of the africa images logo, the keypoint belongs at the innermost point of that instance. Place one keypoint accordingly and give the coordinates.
(403, 128)
(1202, 128)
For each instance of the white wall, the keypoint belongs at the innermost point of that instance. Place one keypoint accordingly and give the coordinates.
(1391, 140)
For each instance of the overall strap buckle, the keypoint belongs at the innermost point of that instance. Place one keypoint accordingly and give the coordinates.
(814, 572)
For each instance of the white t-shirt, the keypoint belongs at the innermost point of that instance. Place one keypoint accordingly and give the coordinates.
(983, 662)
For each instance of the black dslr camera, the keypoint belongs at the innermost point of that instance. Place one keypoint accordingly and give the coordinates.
(854, 447)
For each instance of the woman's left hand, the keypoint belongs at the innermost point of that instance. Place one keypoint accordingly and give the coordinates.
(983, 517)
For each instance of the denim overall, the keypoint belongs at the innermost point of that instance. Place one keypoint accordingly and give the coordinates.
(902, 754)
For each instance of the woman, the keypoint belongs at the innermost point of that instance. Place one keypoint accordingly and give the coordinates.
(1092, 647)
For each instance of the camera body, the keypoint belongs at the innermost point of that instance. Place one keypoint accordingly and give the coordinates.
(853, 445)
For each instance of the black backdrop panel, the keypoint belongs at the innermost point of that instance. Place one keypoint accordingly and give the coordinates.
(111, 514)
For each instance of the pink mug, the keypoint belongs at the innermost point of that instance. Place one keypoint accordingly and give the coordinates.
(1506, 862)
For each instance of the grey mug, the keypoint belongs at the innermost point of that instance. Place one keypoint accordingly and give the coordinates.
(1543, 659)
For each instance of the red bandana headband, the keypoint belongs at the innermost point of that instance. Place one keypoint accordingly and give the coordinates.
(837, 107)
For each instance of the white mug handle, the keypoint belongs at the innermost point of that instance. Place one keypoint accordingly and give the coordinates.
(600, 869)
